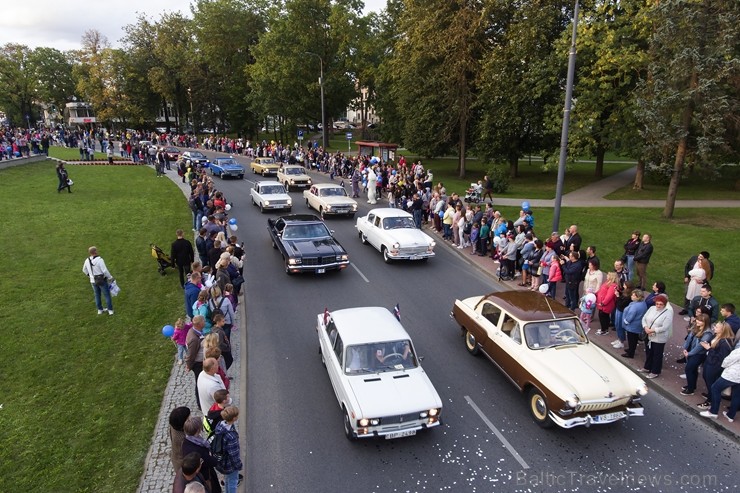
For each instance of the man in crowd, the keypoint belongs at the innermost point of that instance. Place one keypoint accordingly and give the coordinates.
(192, 290)
(573, 243)
(188, 473)
(642, 258)
(194, 356)
(706, 300)
(209, 381)
(728, 313)
(182, 255)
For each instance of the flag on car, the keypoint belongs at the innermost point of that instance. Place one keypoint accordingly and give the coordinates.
(397, 312)
(326, 315)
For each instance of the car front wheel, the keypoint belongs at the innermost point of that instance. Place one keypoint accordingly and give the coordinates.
(538, 408)
(471, 344)
(386, 258)
(348, 427)
(363, 238)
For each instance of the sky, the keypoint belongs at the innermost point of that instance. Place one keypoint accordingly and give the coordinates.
(61, 24)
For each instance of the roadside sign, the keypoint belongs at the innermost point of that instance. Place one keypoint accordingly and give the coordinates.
(300, 135)
(349, 135)
(349, 141)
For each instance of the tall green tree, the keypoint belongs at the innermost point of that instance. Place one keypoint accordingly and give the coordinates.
(690, 97)
(18, 84)
(55, 82)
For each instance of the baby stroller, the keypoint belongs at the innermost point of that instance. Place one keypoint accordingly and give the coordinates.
(163, 259)
(474, 194)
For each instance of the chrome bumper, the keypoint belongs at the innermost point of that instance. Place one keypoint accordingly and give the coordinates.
(633, 409)
(388, 431)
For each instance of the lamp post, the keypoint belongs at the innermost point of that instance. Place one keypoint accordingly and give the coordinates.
(321, 87)
(566, 123)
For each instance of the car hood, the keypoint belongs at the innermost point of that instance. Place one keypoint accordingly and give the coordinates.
(394, 392)
(593, 375)
(320, 246)
(408, 237)
(231, 166)
(337, 201)
(274, 196)
(298, 177)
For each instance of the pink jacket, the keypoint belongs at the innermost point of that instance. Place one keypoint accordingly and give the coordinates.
(180, 334)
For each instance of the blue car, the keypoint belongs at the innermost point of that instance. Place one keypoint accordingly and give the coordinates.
(226, 166)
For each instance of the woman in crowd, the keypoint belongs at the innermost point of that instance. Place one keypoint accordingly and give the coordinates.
(593, 278)
(178, 416)
(233, 462)
(534, 265)
(730, 378)
(194, 442)
(698, 275)
(200, 307)
(456, 237)
(695, 352)
(658, 325)
(606, 302)
(447, 220)
(222, 303)
(658, 288)
(632, 321)
(624, 298)
(547, 261)
(717, 350)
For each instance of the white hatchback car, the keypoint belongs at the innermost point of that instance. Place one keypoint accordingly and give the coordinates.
(270, 195)
(394, 234)
(376, 376)
(330, 199)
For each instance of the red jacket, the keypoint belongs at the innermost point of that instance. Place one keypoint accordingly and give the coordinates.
(606, 298)
(556, 273)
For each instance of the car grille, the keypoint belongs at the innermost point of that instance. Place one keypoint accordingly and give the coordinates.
(278, 202)
(413, 250)
(602, 406)
(400, 418)
(319, 260)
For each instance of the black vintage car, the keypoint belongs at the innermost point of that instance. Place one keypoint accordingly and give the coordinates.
(306, 244)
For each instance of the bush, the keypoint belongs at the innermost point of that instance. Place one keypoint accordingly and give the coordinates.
(500, 179)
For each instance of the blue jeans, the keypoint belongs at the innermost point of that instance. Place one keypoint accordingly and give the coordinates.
(106, 292)
(618, 319)
(417, 218)
(230, 482)
(692, 370)
(631, 266)
(716, 396)
(448, 231)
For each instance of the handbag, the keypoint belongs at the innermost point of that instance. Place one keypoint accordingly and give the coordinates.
(113, 288)
(643, 335)
(539, 270)
(99, 279)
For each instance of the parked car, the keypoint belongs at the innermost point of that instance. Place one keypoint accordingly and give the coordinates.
(172, 153)
(393, 233)
(270, 195)
(542, 349)
(226, 166)
(306, 244)
(330, 199)
(265, 166)
(381, 388)
(293, 175)
(195, 158)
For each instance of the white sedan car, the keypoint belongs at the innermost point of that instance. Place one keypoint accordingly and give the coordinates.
(330, 199)
(393, 233)
(270, 195)
(381, 388)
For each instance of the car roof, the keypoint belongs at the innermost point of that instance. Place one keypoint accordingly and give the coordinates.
(300, 217)
(529, 306)
(272, 182)
(367, 324)
(292, 166)
(389, 212)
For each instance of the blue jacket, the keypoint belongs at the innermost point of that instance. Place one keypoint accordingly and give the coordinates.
(191, 296)
(632, 316)
(691, 344)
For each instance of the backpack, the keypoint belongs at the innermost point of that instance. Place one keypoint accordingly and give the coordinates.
(218, 451)
(215, 309)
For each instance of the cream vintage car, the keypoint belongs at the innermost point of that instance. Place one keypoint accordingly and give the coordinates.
(270, 195)
(393, 233)
(265, 166)
(375, 373)
(542, 349)
(293, 176)
(330, 199)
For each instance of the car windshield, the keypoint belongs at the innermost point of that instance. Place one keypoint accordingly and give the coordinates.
(554, 333)
(295, 171)
(267, 161)
(227, 162)
(398, 223)
(333, 192)
(305, 231)
(171, 149)
(196, 155)
(379, 357)
(272, 189)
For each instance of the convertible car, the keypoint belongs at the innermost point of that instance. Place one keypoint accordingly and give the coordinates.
(542, 349)
(378, 382)
(306, 244)
(393, 233)
(330, 199)
(226, 166)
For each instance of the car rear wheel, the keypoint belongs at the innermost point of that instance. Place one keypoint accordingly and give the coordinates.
(321, 212)
(348, 427)
(538, 408)
(471, 344)
(386, 258)
(253, 202)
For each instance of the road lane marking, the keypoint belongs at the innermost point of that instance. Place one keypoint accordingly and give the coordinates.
(358, 271)
(503, 439)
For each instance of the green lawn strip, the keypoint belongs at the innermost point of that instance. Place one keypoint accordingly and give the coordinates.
(675, 241)
(698, 186)
(73, 154)
(81, 391)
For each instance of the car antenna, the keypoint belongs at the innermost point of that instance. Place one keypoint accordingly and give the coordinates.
(544, 295)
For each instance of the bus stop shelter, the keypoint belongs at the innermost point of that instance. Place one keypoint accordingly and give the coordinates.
(383, 150)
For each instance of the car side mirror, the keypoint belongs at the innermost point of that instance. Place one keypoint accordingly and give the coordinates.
(331, 232)
(420, 358)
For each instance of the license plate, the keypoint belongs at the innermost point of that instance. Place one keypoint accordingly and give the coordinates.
(400, 434)
(607, 418)
(320, 271)
(415, 257)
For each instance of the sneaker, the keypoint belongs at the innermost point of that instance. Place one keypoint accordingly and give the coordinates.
(601, 332)
(179, 362)
(110, 312)
(707, 414)
(618, 346)
(705, 395)
(615, 342)
(704, 405)
(683, 376)
(642, 370)
(724, 413)
(687, 392)
(652, 375)
(100, 312)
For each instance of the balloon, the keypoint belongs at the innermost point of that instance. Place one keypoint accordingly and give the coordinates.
(233, 227)
(544, 288)
(374, 160)
(168, 330)
(525, 205)
(232, 221)
(228, 207)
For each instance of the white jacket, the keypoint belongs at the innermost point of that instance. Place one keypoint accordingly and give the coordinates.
(98, 267)
(731, 364)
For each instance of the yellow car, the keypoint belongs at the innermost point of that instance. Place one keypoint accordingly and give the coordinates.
(265, 166)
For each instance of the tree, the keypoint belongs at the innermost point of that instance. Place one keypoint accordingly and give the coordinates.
(691, 88)
(53, 75)
(18, 84)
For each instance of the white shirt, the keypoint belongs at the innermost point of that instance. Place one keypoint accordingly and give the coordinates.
(207, 386)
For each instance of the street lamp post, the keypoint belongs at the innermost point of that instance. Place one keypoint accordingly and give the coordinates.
(321, 87)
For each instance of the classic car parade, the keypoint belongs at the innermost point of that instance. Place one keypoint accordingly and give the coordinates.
(375, 373)
(293, 176)
(264, 166)
(306, 244)
(226, 166)
(194, 158)
(540, 346)
(270, 195)
(393, 233)
(330, 199)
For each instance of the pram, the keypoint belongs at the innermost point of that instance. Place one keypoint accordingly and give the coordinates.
(163, 259)
(474, 193)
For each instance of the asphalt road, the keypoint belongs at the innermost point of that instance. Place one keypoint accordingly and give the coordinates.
(295, 441)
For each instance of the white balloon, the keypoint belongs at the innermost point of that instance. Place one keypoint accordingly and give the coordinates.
(228, 207)
(233, 227)
(543, 288)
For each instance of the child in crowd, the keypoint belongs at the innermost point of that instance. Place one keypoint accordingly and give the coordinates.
(474, 237)
(229, 293)
(181, 332)
(587, 304)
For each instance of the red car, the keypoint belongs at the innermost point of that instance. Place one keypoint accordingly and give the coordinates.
(173, 153)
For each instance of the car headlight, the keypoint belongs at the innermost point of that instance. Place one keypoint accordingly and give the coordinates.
(433, 244)
(354, 207)
(292, 181)
(328, 207)
(267, 202)
(342, 257)
(309, 181)
(572, 401)
(642, 390)
(365, 422)
(290, 202)
(294, 261)
(396, 246)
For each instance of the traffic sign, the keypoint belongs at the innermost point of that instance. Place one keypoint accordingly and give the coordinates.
(349, 135)
(300, 135)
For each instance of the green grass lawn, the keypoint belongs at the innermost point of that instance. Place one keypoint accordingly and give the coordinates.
(81, 392)
(697, 186)
(73, 154)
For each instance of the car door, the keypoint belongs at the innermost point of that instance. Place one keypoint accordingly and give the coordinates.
(313, 198)
(333, 353)
(508, 348)
(375, 229)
